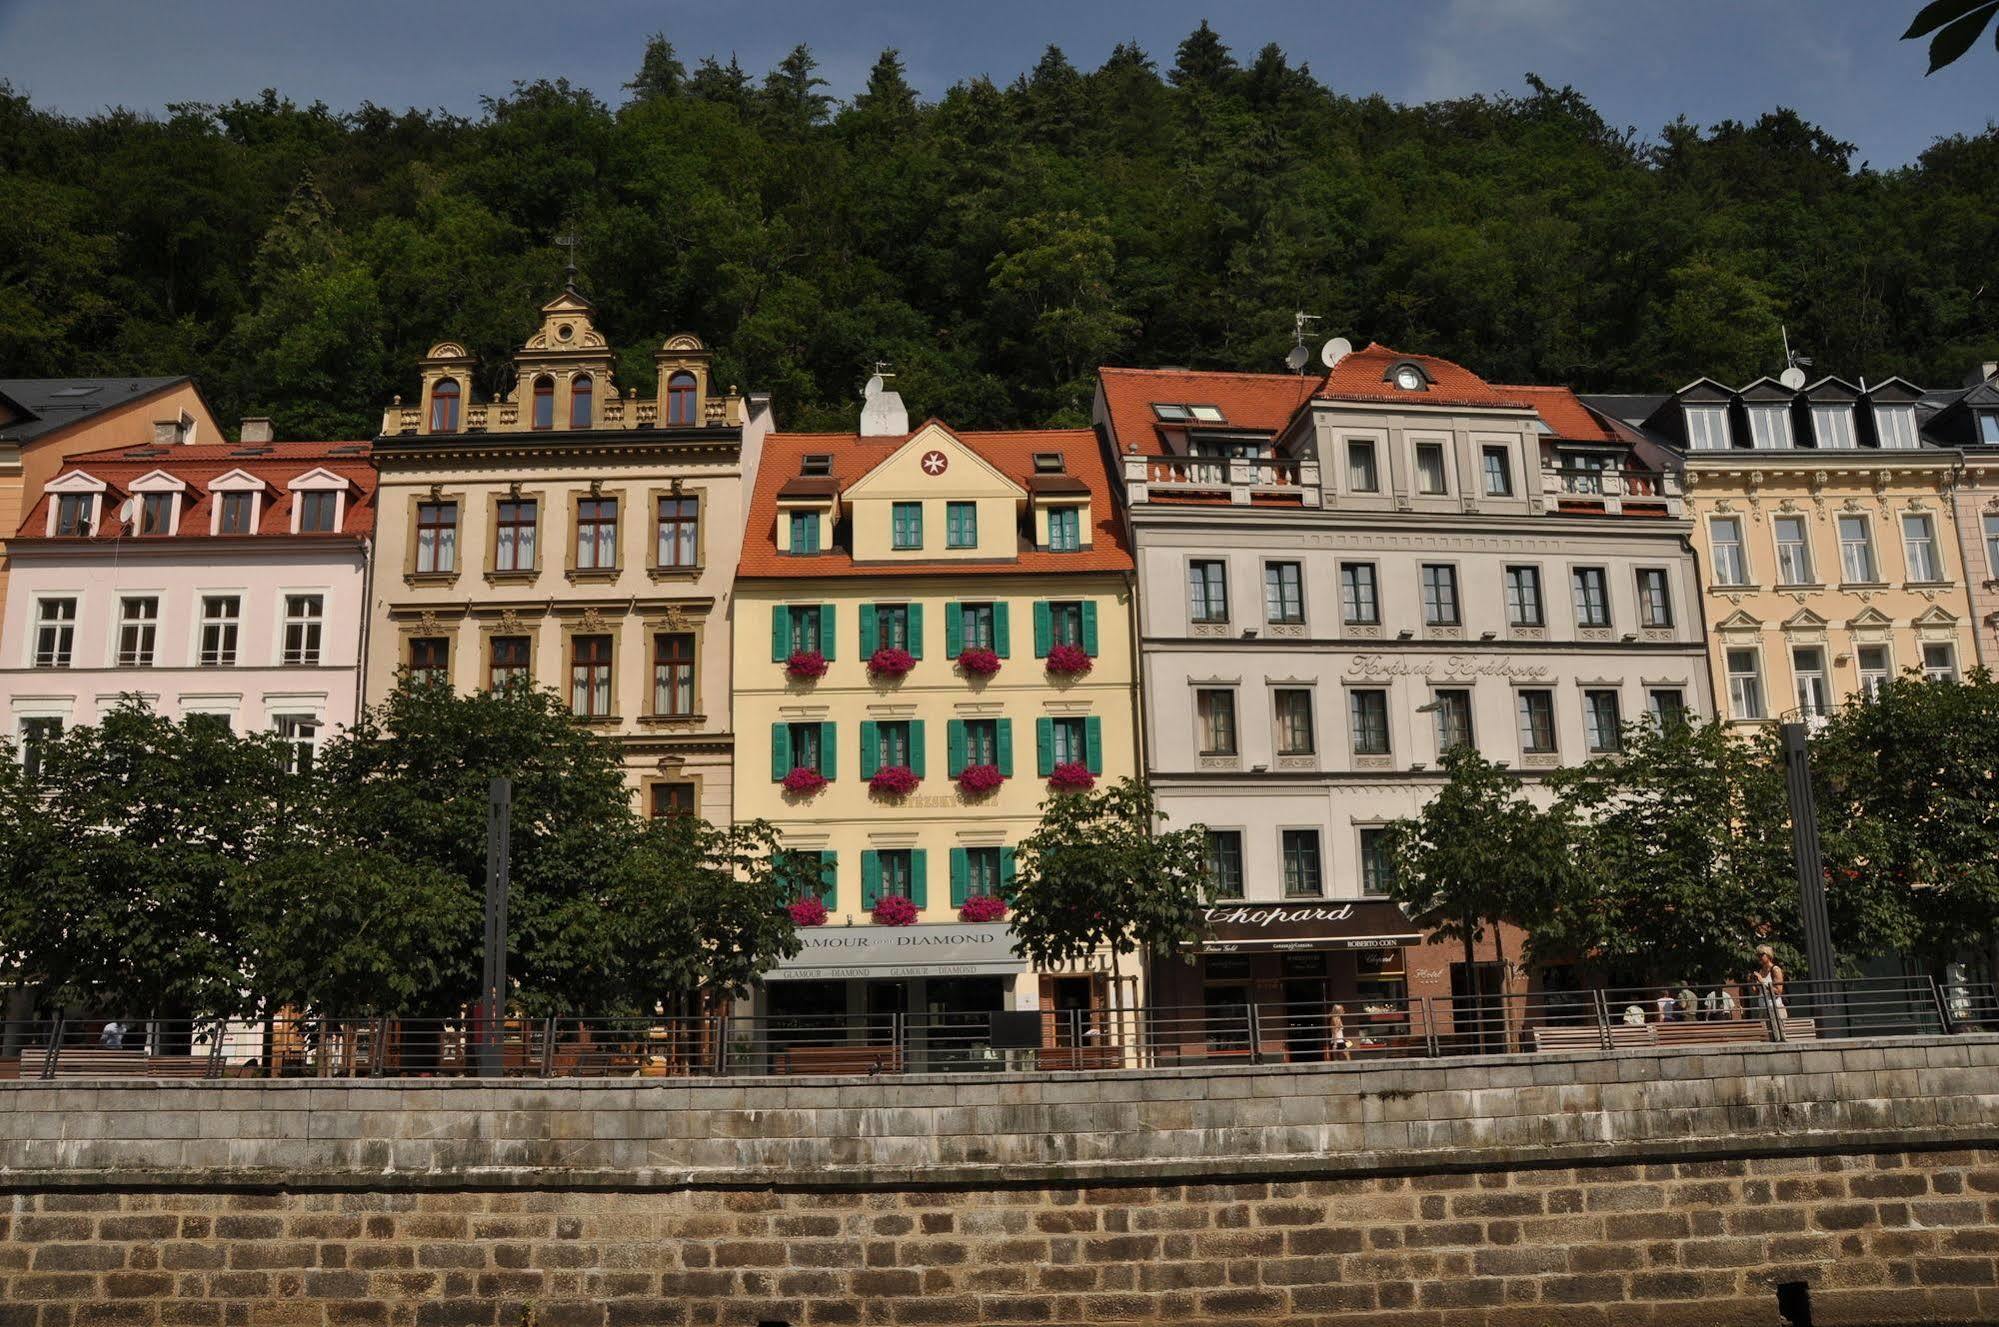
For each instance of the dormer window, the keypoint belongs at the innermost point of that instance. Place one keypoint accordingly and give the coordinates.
(236, 503)
(1988, 427)
(1895, 426)
(1409, 378)
(1206, 414)
(444, 406)
(316, 512)
(544, 402)
(580, 392)
(1832, 424)
(1769, 426)
(1707, 428)
(74, 512)
(1172, 414)
(319, 500)
(1048, 463)
(233, 513)
(818, 463)
(156, 513)
(680, 394)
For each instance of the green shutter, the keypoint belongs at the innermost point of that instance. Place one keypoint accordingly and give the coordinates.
(829, 879)
(1044, 745)
(954, 630)
(1093, 743)
(780, 633)
(919, 878)
(1002, 639)
(870, 638)
(1044, 628)
(915, 630)
(916, 745)
(780, 750)
(960, 870)
(954, 748)
(1090, 627)
(826, 630)
(1003, 746)
(870, 757)
(829, 748)
(1006, 874)
(871, 878)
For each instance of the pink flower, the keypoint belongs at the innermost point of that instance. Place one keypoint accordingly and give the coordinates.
(1072, 776)
(1072, 660)
(983, 908)
(980, 778)
(889, 661)
(893, 781)
(804, 781)
(807, 911)
(805, 665)
(979, 663)
(894, 910)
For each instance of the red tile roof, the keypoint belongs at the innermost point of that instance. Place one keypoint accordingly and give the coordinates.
(1258, 402)
(1562, 411)
(276, 463)
(1364, 376)
(1011, 453)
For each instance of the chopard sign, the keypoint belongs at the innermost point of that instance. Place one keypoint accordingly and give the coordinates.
(1457, 665)
(1279, 916)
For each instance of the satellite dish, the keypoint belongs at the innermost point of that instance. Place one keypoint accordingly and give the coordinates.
(1334, 351)
(1296, 359)
(1792, 378)
(873, 388)
(125, 510)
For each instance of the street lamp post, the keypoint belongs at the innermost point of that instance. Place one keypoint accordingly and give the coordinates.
(493, 986)
(1805, 851)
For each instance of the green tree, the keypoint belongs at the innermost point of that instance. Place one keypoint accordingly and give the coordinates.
(660, 72)
(1100, 874)
(1956, 23)
(1053, 291)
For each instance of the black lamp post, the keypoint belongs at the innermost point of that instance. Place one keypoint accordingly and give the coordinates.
(1805, 850)
(492, 1009)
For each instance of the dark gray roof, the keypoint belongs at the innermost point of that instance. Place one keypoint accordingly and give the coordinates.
(1632, 409)
(48, 404)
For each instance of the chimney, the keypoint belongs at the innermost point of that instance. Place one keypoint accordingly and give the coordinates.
(166, 433)
(883, 414)
(256, 429)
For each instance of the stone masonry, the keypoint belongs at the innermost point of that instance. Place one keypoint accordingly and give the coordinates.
(1654, 1187)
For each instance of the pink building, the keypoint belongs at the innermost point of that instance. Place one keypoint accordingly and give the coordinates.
(219, 579)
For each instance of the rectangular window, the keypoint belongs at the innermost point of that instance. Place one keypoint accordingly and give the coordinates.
(673, 673)
(138, 630)
(36, 735)
(156, 513)
(893, 745)
(1065, 529)
(1592, 596)
(982, 873)
(73, 513)
(1991, 528)
(1707, 428)
(1523, 597)
(221, 619)
(1303, 877)
(1939, 663)
(515, 549)
(1769, 426)
(1808, 674)
(672, 799)
(907, 525)
(1283, 592)
(1065, 623)
(1603, 720)
(1667, 707)
(805, 532)
(1362, 474)
(1919, 546)
(1360, 606)
(234, 514)
(305, 616)
(1832, 425)
(1725, 536)
(1376, 868)
(300, 735)
(1453, 718)
(1369, 711)
(1214, 708)
(1207, 591)
(892, 626)
(430, 659)
(590, 676)
(807, 750)
(1224, 863)
(1655, 598)
(55, 633)
(677, 538)
(436, 537)
(1988, 427)
(1069, 740)
(978, 625)
(1498, 473)
(1440, 595)
(1745, 685)
(803, 628)
(1895, 426)
(1875, 672)
(981, 742)
(897, 869)
(316, 511)
(961, 525)
(1856, 550)
(1794, 550)
(1430, 467)
(596, 534)
(1537, 722)
(1293, 707)
(507, 661)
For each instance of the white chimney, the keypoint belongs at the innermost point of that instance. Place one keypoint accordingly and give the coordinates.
(882, 413)
(166, 433)
(257, 429)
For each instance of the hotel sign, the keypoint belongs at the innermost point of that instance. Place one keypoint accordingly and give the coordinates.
(1235, 928)
(943, 950)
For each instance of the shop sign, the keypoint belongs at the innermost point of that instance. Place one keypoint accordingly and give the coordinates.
(941, 950)
(1357, 924)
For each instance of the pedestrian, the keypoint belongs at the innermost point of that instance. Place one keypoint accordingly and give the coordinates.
(1690, 1004)
(1336, 1031)
(113, 1036)
(1766, 981)
(1666, 1006)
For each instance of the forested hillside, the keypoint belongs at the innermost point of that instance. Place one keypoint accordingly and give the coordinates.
(995, 245)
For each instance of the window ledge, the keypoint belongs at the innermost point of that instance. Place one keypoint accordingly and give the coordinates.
(672, 718)
(1929, 585)
(597, 720)
(1734, 587)
(430, 578)
(593, 575)
(513, 577)
(1787, 587)
(674, 573)
(1865, 585)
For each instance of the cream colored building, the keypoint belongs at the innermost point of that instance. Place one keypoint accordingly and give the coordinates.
(936, 543)
(577, 535)
(1968, 419)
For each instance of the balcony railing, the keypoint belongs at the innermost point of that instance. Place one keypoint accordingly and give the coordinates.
(1223, 479)
(1612, 487)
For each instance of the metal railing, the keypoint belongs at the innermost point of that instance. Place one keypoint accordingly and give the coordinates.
(889, 1044)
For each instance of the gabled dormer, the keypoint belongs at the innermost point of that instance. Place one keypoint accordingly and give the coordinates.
(1888, 417)
(236, 503)
(1767, 407)
(76, 505)
(319, 502)
(808, 507)
(1830, 411)
(1060, 505)
(934, 498)
(1697, 416)
(159, 499)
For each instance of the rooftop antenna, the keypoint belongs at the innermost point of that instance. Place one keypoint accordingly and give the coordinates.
(569, 243)
(1298, 357)
(1795, 362)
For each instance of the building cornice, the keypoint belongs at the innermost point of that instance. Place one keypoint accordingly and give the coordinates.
(482, 450)
(1331, 519)
(49, 548)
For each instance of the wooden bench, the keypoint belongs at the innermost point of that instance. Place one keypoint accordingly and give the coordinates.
(858, 1058)
(102, 1062)
(1079, 1057)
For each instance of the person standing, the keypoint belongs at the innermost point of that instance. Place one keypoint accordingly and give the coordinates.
(1766, 982)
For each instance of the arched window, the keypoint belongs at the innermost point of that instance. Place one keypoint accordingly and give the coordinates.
(579, 401)
(444, 406)
(544, 402)
(680, 398)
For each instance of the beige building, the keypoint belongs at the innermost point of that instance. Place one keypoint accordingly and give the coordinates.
(571, 533)
(1968, 420)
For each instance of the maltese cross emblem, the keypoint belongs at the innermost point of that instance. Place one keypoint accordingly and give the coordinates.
(935, 463)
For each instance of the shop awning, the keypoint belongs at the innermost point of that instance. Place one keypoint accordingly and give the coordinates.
(833, 953)
(1306, 924)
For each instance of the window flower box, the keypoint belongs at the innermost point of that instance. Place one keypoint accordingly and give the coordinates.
(1069, 661)
(890, 661)
(893, 781)
(1072, 777)
(894, 910)
(804, 781)
(976, 779)
(979, 663)
(983, 908)
(805, 665)
(807, 911)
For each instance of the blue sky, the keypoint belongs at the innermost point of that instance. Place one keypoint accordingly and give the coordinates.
(1838, 62)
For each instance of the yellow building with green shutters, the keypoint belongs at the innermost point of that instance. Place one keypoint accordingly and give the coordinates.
(932, 637)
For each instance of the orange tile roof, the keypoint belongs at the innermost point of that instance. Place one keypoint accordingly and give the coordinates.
(1259, 402)
(1011, 453)
(201, 465)
(1363, 376)
(1562, 411)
